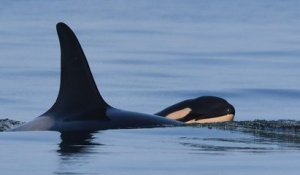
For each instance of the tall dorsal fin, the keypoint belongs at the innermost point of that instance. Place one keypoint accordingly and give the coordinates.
(78, 93)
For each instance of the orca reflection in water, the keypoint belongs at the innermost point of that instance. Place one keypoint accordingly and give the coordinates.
(79, 105)
(76, 142)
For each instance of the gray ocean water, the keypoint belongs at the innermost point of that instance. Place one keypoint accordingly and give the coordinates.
(145, 56)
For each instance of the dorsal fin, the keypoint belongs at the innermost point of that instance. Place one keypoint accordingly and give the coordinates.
(78, 94)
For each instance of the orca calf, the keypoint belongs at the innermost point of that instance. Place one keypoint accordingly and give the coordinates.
(79, 106)
(205, 109)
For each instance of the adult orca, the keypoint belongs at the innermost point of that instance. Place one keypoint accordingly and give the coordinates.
(79, 105)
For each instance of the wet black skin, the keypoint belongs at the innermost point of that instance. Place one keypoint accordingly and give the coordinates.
(201, 108)
(79, 105)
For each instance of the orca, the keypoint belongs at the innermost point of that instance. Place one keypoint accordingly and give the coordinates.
(80, 107)
(205, 109)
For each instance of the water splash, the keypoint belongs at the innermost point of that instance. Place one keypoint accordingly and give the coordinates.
(272, 130)
(6, 124)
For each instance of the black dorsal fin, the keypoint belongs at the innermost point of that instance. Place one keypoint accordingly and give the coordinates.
(78, 94)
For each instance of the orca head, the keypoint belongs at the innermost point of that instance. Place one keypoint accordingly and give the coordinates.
(205, 109)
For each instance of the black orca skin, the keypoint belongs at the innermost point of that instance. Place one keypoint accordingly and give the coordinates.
(79, 106)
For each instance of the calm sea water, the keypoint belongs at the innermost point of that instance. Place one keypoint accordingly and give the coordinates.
(146, 55)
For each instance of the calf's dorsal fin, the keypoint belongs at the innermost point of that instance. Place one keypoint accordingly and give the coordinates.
(78, 96)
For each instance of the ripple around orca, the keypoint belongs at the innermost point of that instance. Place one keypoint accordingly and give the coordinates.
(284, 133)
(281, 131)
(6, 124)
(292, 126)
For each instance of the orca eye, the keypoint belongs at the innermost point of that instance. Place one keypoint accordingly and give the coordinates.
(230, 110)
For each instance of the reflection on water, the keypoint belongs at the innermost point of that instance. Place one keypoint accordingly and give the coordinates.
(258, 136)
(179, 150)
(213, 145)
(75, 150)
(130, 151)
(76, 142)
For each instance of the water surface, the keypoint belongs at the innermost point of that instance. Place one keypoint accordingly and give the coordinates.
(146, 55)
(181, 150)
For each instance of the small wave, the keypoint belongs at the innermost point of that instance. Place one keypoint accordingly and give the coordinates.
(279, 127)
(6, 124)
(287, 131)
